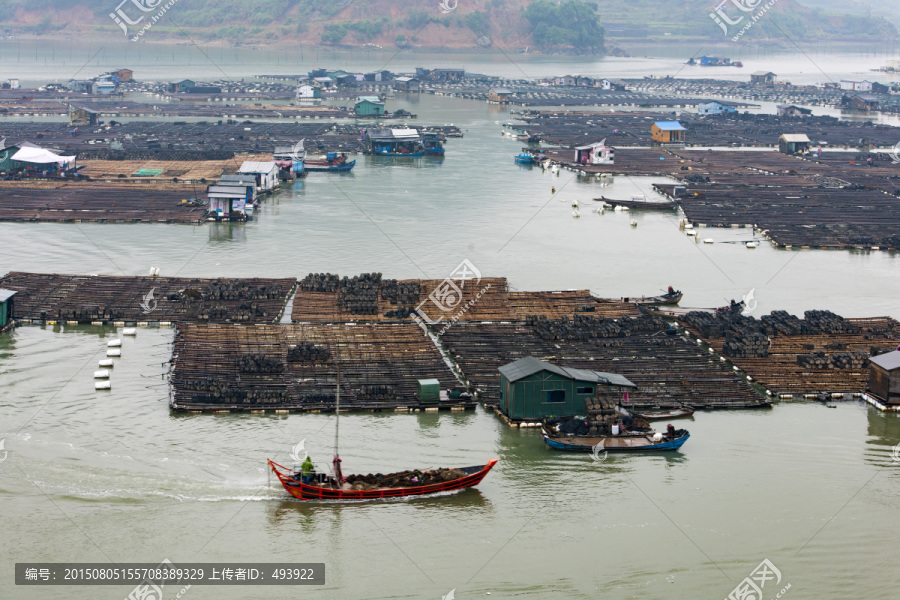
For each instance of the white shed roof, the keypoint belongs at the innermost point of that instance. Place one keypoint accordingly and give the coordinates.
(251, 166)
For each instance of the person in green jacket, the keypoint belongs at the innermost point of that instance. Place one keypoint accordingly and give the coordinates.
(307, 470)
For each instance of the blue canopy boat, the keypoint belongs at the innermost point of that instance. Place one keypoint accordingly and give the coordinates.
(332, 162)
(525, 158)
(641, 440)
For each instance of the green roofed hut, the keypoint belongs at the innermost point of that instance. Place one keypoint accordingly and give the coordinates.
(533, 389)
(6, 307)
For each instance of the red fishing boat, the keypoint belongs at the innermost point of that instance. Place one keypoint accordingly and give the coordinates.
(374, 487)
(329, 490)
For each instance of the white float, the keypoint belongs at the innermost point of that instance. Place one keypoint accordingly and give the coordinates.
(114, 352)
(114, 343)
(106, 362)
(129, 331)
(102, 385)
(101, 374)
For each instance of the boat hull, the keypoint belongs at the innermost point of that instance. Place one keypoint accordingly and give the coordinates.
(321, 167)
(666, 415)
(641, 443)
(305, 491)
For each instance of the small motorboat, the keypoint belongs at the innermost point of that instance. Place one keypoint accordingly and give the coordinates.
(666, 415)
(638, 202)
(332, 162)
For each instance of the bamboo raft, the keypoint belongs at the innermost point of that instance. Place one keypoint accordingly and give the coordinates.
(292, 367)
(108, 299)
(781, 373)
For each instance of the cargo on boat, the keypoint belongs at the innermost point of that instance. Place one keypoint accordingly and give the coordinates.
(332, 162)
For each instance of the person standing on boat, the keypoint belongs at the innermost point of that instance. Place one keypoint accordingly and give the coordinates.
(670, 431)
(307, 470)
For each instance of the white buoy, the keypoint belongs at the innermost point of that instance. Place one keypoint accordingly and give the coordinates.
(129, 331)
(106, 362)
(101, 374)
(752, 245)
(692, 233)
(102, 385)
(574, 203)
(634, 222)
(688, 226)
(114, 343)
(708, 241)
(576, 214)
(114, 352)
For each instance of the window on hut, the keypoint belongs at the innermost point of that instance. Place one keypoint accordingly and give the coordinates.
(584, 390)
(556, 396)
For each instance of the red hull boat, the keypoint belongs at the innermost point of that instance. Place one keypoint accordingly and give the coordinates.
(305, 491)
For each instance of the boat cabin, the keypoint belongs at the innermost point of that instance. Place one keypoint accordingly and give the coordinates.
(533, 389)
(499, 95)
(6, 307)
(884, 377)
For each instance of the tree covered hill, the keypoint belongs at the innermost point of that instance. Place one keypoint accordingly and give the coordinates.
(582, 26)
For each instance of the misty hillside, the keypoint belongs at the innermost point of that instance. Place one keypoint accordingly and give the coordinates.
(582, 26)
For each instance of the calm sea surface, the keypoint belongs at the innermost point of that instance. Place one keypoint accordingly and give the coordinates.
(116, 477)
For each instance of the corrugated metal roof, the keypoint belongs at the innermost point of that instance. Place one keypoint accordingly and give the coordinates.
(501, 90)
(6, 294)
(251, 166)
(222, 191)
(762, 73)
(889, 361)
(669, 125)
(372, 99)
(530, 365)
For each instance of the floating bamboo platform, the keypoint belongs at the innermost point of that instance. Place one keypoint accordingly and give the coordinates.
(110, 299)
(294, 367)
(80, 202)
(782, 373)
(669, 371)
(488, 300)
(633, 128)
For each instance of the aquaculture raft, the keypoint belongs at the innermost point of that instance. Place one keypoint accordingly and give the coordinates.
(822, 353)
(292, 367)
(110, 299)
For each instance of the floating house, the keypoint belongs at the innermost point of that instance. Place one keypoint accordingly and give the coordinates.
(442, 75)
(395, 142)
(308, 92)
(762, 78)
(667, 132)
(532, 389)
(861, 102)
(185, 85)
(500, 95)
(597, 153)
(123, 74)
(715, 108)
(369, 106)
(407, 84)
(82, 86)
(612, 84)
(856, 86)
(6, 307)
(884, 377)
(31, 157)
(791, 110)
(103, 88)
(229, 202)
(264, 173)
(83, 116)
(793, 143)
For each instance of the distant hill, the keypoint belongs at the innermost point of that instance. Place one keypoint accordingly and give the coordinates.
(580, 26)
